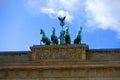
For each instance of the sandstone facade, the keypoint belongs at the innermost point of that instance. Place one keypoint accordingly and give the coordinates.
(61, 62)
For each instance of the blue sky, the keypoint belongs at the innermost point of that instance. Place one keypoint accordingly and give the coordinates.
(21, 21)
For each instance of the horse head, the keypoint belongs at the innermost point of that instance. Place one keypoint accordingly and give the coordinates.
(80, 30)
(53, 29)
(41, 31)
(67, 28)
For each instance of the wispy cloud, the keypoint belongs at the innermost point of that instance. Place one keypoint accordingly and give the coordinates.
(52, 13)
(56, 7)
(104, 14)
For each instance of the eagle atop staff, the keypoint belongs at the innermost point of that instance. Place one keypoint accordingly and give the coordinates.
(62, 20)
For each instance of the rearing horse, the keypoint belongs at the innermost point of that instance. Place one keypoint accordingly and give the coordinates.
(44, 39)
(78, 37)
(54, 38)
(67, 36)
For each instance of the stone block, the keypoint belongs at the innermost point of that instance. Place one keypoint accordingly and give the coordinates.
(59, 52)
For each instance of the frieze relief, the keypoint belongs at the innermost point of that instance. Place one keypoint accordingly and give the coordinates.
(64, 52)
(58, 54)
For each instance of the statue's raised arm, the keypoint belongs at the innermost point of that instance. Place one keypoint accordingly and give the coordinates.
(62, 33)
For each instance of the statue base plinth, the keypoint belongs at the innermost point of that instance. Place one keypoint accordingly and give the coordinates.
(59, 52)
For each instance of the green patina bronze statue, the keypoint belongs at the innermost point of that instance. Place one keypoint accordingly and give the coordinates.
(44, 39)
(67, 36)
(54, 38)
(78, 37)
(62, 21)
(64, 37)
(62, 33)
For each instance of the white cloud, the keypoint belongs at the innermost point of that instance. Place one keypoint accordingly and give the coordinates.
(65, 13)
(56, 7)
(104, 14)
(53, 13)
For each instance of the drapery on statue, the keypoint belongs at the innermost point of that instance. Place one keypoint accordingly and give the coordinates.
(62, 38)
(54, 38)
(67, 36)
(78, 37)
(44, 39)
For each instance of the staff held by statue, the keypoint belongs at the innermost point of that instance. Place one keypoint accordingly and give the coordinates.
(62, 39)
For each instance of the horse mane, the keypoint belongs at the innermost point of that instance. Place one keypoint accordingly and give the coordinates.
(42, 31)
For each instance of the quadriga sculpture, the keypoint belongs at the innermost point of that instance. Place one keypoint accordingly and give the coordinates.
(54, 38)
(78, 37)
(44, 39)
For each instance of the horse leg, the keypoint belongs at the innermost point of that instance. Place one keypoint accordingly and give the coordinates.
(40, 42)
